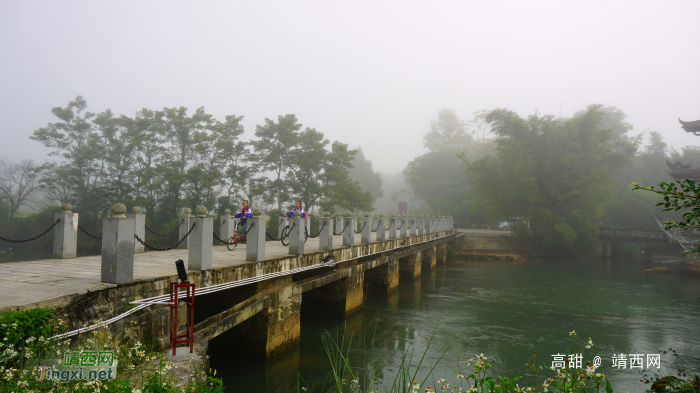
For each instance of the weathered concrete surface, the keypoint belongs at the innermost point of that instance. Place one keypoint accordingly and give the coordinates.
(410, 266)
(383, 279)
(429, 259)
(487, 244)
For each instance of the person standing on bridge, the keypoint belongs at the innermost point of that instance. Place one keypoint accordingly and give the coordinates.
(244, 214)
(297, 207)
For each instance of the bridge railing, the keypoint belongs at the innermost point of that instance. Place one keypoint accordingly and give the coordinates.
(124, 235)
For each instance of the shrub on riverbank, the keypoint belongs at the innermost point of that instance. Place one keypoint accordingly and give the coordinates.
(28, 342)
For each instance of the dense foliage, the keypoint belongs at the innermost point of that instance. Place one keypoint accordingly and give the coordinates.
(555, 174)
(165, 160)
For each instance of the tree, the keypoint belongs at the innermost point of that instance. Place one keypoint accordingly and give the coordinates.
(340, 191)
(447, 133)
(363, 173)
(275, 150)
(556, 174)
(75, 139)
(306, 168)
(18, 183)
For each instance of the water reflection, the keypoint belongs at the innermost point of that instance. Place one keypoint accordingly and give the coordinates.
(506, 311)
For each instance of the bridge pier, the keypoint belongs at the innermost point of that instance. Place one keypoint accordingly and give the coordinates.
(338, 299)
(410, 266)
(429, 260)
(383, 278)
(606, 250)
(441, 253)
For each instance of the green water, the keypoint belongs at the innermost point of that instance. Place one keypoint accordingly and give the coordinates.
(506, 311)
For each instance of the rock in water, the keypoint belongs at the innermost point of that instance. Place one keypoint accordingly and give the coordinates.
(658, 270)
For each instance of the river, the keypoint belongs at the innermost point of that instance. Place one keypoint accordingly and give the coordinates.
(505, 310)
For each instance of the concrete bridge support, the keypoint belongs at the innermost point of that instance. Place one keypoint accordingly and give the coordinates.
(410, 267)
(441, 253)
(200, 253)
(366, 232)
(65, 235)
(325, 231)
(139, 228)
(349, 233)
(429, 260)
(383, 278)
(392, 226)
(226, 225)
(403, 225)
(255, 243)
(184, 227)
(296, 234)
(338, 299)
(381, 229)
(117, 247)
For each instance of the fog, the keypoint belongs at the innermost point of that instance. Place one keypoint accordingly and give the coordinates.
(365, 73)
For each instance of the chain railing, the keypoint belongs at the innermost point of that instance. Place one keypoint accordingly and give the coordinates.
(341, 232)
(363, 227)
(402, 222)
(169, 233)
(89, 234)
(375, 229)
(319, 231)
(169, 248)
(34, 238)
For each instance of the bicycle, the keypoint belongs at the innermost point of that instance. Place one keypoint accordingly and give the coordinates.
(285, 235)
(236, 238)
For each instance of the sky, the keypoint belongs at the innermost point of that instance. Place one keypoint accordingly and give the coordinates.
(366, 73)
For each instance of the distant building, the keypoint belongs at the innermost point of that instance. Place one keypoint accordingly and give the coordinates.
(680, 171)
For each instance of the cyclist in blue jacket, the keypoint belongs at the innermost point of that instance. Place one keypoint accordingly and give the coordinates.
(244, 214)
(297, 207)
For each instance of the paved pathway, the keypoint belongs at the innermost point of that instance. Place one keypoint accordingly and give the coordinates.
(29, 282)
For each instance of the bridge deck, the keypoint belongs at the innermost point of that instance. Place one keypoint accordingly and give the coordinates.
(28, 282)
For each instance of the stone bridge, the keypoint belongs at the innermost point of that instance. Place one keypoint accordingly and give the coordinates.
(646, 238)
(267, 313)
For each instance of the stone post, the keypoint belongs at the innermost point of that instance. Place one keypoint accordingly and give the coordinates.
(255, 240)
(139, 228)
(117, 247)
(420, 225)
(200, 252)
(381, 229)
(296, 235)
(339, 224)
(185, 224)
(366, 236)
(226, 225)
(65, 233)
(403, 224)
(281, 223)
(413, 224)
(325, 234)
(392, 226)
(429, 225)
(349, 234)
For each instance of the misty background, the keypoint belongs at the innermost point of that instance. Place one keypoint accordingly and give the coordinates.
(385, 79)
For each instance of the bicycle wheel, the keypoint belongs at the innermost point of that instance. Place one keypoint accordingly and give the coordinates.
(285, 236)
(232, 243)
